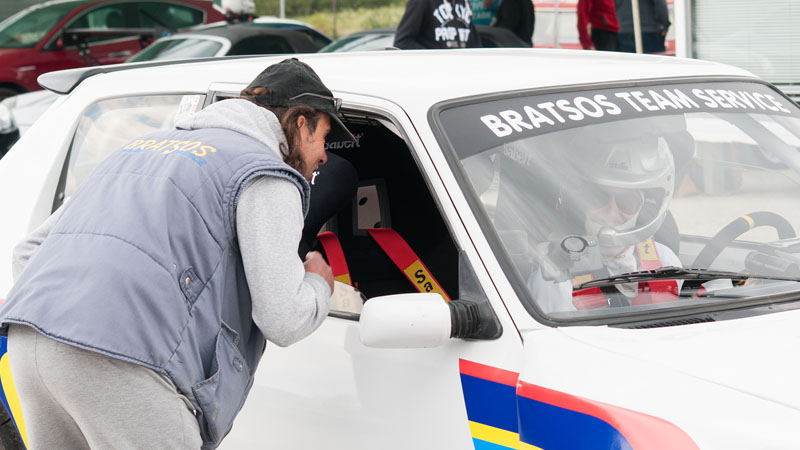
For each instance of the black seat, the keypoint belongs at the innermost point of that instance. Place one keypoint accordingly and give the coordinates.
(333, 188)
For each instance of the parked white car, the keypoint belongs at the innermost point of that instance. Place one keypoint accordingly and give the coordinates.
(675, 325)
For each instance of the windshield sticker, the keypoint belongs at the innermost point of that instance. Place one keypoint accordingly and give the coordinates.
(517, 118)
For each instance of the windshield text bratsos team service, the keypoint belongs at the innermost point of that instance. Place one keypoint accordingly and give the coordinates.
(629, 103)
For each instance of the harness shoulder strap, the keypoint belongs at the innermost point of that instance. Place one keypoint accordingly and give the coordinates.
(406, 260)
(333, 250)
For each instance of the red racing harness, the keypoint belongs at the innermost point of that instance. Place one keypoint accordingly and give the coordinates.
(398, 251)
(656, 291)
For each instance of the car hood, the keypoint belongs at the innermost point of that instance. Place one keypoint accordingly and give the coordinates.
(729, 384)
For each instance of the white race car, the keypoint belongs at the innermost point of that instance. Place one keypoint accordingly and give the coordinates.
(556, 249)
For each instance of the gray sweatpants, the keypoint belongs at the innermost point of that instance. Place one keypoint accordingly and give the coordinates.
(76, 399)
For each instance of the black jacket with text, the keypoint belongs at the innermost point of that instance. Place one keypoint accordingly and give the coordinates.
(437, 24)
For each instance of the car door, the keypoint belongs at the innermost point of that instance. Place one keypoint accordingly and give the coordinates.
(332, 391)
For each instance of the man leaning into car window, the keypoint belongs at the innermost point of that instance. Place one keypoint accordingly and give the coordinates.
(620, 196)
(142, 307)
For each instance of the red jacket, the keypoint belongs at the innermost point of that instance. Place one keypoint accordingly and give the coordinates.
(599, 14)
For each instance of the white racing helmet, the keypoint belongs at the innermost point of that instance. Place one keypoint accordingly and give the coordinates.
(638, 169)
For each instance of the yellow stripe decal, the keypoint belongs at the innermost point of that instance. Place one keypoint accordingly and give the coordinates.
(524, 446)
(343, 278)
(750, 221)
(11, 396)
(494, 435)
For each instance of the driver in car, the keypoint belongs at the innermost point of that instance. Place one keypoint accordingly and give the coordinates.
(618, 193)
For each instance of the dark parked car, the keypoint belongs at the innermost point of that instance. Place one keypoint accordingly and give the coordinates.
(35, 41)
(383, 38)
(240, 39)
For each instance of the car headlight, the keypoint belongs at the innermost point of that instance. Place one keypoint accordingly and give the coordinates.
(7, 123)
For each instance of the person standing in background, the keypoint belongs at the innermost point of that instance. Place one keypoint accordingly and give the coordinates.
(517, 16)
(654, 18)
(437, 24)
(597, 25)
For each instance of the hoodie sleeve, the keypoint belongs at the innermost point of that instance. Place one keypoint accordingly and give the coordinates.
(288, 303)
(408, 30)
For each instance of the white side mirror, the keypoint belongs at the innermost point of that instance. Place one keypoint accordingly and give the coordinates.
(405, 321)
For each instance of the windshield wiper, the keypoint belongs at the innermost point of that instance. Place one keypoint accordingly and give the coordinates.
(676, 273)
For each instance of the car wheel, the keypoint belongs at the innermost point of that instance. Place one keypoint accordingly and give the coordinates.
(9, 436)
(7, 92)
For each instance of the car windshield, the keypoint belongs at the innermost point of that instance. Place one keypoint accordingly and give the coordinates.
(26, 29)
(177, 49)
(591, 186)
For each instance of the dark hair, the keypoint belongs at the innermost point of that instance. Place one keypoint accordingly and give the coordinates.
(287, 116)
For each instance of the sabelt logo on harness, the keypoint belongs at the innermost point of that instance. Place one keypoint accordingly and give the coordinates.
(338, 145)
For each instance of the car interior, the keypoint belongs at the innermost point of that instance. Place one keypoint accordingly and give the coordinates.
(377, 185)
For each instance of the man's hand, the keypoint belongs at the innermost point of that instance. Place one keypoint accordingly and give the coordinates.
(316, 263)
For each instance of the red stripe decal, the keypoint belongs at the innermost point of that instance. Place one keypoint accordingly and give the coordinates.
(490, 373)
(642, 431)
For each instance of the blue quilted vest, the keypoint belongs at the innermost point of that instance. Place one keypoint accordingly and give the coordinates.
(144, 266)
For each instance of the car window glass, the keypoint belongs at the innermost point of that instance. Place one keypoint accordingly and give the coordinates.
(28, 29)
(111, 16)
(168, 15)
(106, 125)
(177, 49)
(261, 45)
(584, 187)
(317, 38)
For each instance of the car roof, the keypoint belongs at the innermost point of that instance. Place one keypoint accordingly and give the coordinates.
(420, 77)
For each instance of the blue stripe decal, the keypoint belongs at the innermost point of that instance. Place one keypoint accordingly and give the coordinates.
(554, 428)
(484, 445)
(3, 350)
(490, 403)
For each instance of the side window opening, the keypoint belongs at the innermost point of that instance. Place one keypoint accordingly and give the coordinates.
(390, 192)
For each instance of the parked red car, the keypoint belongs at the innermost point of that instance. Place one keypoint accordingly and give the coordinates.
(34, 41)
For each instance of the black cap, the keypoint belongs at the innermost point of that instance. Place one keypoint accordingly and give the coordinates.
(292, 82)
